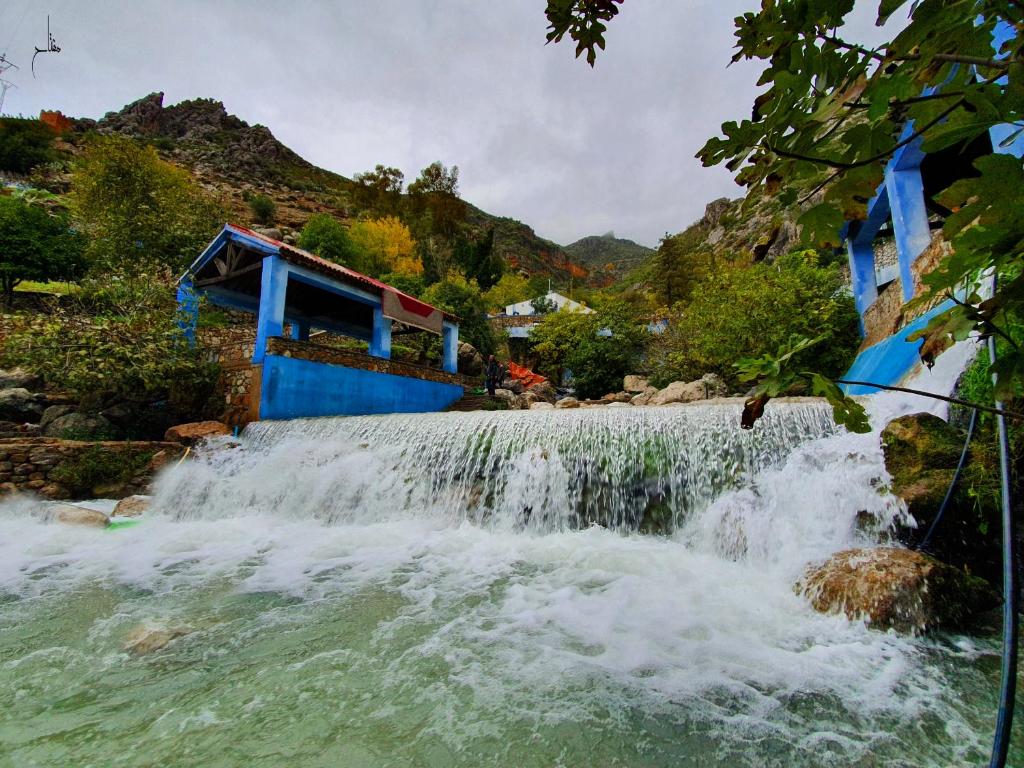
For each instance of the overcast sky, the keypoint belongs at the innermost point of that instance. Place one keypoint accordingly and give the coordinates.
(537, 134)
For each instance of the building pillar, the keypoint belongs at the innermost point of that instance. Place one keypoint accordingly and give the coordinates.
(273, 290)
(300, 330)
(450, 346)
(188, 310)
(862, 275)
(380, 340)
(909, 221)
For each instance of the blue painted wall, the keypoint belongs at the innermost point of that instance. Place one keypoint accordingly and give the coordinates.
(294, 388)
(889, 361)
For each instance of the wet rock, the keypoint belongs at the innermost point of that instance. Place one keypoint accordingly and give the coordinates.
(19, 405)
(470, 361)
(190, 434)
(505, 394)
(16, 378)
(896, 588)
(644, 398)
(542, 405)
(78, 426)
(142, 639)
(545, 390)
(635, 384)
(54, 491)
(74, 515)
(617, 397)
(567, 402)
(133, 506)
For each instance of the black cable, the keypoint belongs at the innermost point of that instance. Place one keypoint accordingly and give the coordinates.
(1008, 686)
(952, 484)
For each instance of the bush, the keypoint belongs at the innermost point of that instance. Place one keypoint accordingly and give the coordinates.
(462, 298)
(263, 208)
(96, 466)
(752, 311)
(24, 144)
(327, 237)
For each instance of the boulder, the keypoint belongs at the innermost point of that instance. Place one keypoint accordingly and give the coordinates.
(133, 506)
(470, 362)
(272, 232)
(901, 589)
(194, 432)
(568, 402)
(542, 405)
(505, 394)
(74, 515)
(545, 390)
(644, 398)
(78, 426)
(708, 386)
(142, 639)
(19, 405)
(635, 384)
(513, 385)
(617, 397)
(54, 412)
(16, 378)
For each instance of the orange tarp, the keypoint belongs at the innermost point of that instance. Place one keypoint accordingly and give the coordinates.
(524, 375)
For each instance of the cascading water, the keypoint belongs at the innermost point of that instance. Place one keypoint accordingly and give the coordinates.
(475, 589)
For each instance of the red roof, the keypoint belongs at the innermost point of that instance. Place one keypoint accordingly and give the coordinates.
(311, 261)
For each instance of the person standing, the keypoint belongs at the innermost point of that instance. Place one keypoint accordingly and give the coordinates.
(492, 375)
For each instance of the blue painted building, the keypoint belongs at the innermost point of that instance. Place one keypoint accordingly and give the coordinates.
(903, 208)
(284, 286)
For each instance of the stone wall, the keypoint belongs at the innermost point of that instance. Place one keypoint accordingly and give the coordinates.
(29, 466)
(240, 384)
(303, 350)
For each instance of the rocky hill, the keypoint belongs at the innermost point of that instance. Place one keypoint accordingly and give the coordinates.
(234, 160)
(606, 257)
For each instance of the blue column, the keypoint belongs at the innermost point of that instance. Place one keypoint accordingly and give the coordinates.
(450, 345)
(380, 341)
(188, 310)
(300, 330)
(270, 318)
(862, 274)
(909, 220)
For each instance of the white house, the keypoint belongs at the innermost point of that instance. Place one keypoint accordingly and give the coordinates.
(559, 301)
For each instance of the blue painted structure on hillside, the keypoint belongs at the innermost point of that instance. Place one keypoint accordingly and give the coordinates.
(903, 199)
(283, 285)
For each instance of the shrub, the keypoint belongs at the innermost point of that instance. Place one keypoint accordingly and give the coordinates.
(263, 208)
(327, 237)
(751, 311)
(462, 298)
(24, 144)
(96, 466)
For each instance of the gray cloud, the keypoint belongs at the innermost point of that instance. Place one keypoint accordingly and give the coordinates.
(537, 134)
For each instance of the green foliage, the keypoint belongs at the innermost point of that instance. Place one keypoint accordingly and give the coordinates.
(683, 262)
(98, 466)
(579, 342)
(379, 191)
(327, 237)
(118, 341)
(542, 305)
(744, 312)
(478, 260)
(35, 246)
(410, 284)
(141, 214)
(462, 298)
(582, 20)
(510, 289)
(24, 144)
(263, 208)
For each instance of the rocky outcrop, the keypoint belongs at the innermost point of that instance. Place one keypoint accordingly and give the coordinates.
(190, 434)
(708, 386)
(644, 398)
(894, 588)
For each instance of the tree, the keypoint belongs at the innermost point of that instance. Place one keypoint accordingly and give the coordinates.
(263, 208)
(35, 246)
(479, 261)
(379, 191)
(542, 305)
(682, 264)
(139, 211)
(510, 289)
(835, 111)
(327, 237)
(435, 198)
(24, 144)
(387, 246)
(462, 297)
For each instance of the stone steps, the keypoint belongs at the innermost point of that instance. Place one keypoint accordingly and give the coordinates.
(470, 403)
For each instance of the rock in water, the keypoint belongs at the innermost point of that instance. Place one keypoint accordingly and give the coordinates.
(896, 588)
(568, 402)
(72, 515)
(133, 506)
(143, 639)
(707, 386)
(190, 434)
